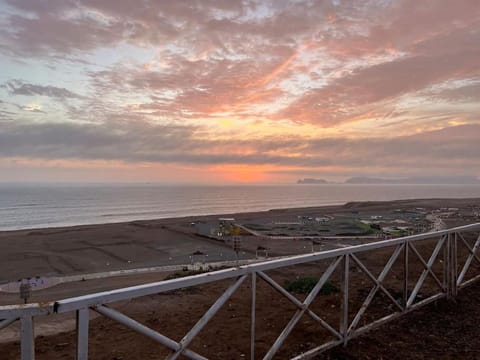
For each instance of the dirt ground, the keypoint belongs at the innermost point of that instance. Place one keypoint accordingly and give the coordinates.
(99, 248)
(443, 330)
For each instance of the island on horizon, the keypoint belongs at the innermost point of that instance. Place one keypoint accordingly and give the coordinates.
(312, 181)
(416, 180)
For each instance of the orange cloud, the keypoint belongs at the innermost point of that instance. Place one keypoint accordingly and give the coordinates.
(278, 70)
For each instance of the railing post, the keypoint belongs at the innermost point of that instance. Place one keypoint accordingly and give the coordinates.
(454, 266)
(452, 289)
(27, 337)
(82, 333)
(344, 316)
(405, 275)
(447, 267)
(252, 329)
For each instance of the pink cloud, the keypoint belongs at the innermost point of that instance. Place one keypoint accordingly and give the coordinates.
(433, 61)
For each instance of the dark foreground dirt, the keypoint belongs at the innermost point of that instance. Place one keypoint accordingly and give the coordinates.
(443, 330)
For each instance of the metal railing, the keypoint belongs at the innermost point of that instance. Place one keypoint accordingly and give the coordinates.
(342, 260)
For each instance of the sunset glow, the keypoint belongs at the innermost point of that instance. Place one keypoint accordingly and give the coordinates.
(238, 91)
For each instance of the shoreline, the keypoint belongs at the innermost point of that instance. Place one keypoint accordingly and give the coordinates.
(182, 218)
(70, 250)
(175, 218)
(39, 209)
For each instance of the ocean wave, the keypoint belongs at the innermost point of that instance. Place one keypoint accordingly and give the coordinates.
(135, 213)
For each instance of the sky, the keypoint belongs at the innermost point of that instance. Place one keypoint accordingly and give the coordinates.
(233, 91)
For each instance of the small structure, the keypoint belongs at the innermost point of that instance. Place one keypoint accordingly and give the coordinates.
(206, 229)
(195, 256)
(260, 249)
(225, 220)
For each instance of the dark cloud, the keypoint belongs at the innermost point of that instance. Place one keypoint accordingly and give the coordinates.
(16, 87)
(103, 141)
(454, 147)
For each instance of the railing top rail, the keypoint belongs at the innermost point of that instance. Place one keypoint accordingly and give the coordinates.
(105, 297)
(33, 309)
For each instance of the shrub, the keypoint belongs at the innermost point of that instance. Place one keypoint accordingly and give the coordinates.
(184, 273)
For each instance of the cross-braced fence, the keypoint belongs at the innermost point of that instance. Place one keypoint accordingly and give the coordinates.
(448, 259)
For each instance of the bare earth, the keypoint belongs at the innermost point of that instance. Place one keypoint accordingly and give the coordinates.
(442, 330)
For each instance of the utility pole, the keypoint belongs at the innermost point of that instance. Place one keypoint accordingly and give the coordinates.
(25, 291)
(237, 246)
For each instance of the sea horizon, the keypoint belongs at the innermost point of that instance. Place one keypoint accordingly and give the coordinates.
(46, 205)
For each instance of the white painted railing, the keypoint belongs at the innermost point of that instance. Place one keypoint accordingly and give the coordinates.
(452, 279)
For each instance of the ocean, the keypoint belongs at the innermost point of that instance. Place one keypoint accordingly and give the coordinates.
(39, 206)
